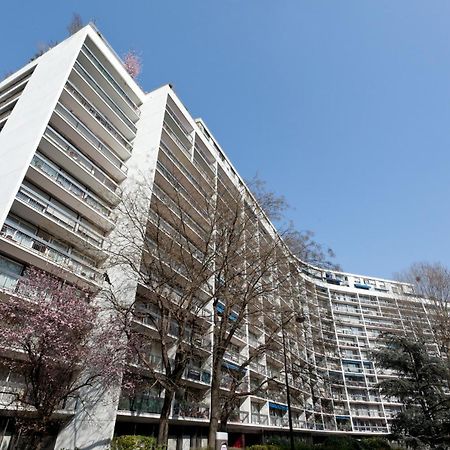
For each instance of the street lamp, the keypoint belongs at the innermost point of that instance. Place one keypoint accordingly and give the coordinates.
(300, 318)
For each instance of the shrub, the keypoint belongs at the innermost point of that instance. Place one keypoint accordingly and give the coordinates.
(340, 443)
(375, 443)
(264, 447)
(128, 442)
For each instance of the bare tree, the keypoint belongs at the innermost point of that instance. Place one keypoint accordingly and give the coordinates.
(188, 253)
(300, 242)
(172, 259)
(75, 25)
(432, 282)
(248, 271)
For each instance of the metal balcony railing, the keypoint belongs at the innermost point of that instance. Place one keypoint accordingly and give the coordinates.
(37, 245)
(64, 145)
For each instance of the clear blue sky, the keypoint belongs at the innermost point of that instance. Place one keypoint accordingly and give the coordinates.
(342, 106)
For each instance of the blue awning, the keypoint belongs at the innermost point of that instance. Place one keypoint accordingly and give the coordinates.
(221, 308)
(277, 406)
(362, 286)
(232, 366)
(229, 365)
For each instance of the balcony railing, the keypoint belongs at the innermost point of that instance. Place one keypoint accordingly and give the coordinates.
(94, 85)
(67, 182)
(8, 281)
(372, 429)
(110, 78)
(239, 417)
(78, 157)
(177, 140)
(46, 207)
(190, 410)
(99, 116)
(183, 169)
(196, 374)
(278, 421)
(90, 137)
(260, 419)
(37, 245)
(258, 367)
(141, 404)
(174, 117)
(235, 357)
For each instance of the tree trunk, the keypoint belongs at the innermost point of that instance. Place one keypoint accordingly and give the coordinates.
(215, 401)
(223, 424)
(163, 434)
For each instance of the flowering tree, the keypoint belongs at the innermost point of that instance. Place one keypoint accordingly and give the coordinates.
(132, 63)
(52, 342)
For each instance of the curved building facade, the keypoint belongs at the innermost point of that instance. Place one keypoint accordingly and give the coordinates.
(75, 132)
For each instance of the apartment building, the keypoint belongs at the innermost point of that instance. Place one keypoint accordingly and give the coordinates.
(75, 132)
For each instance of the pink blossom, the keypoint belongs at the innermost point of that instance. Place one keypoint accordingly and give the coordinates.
(56, 342)
(132, 63)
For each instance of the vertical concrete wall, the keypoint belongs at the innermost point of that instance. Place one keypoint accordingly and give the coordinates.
(25, 126)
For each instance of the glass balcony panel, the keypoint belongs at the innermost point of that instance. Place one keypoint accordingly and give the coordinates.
(110, 78)
(69, 221)
(99, 116)
(90, 137)
(65, 180)
(77, 156)
(85, 75)
(37, 244)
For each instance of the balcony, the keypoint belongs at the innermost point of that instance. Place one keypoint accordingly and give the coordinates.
(366, 413)
(227, 381)
(278, 421)
(141, 404)
(105, 127)
(258, 368)
(16, 86)
(81, 199)
(356, 383)
(24, 238)
(253, 342)
(239, 417)
(197, 374)
(154, 361)
(190, 410)
(80, 232)
(105, 97)
(234, 357)
(201, 190)
(8, 281)
(175, 120)
(89, 174)
(93, 147)
(101, 68)
(259, 419)
(371, 429)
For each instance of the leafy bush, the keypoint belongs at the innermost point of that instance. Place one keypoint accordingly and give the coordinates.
(340, 443)
(264, 447)
(128, 442)
(277, 443)
(375, 443)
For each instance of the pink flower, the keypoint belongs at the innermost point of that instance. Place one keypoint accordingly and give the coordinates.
(132, 63)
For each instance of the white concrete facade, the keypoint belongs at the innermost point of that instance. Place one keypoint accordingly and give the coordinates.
(80, 133)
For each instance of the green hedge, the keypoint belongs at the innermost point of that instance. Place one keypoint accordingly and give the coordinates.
(330, 443)
(129, 442)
